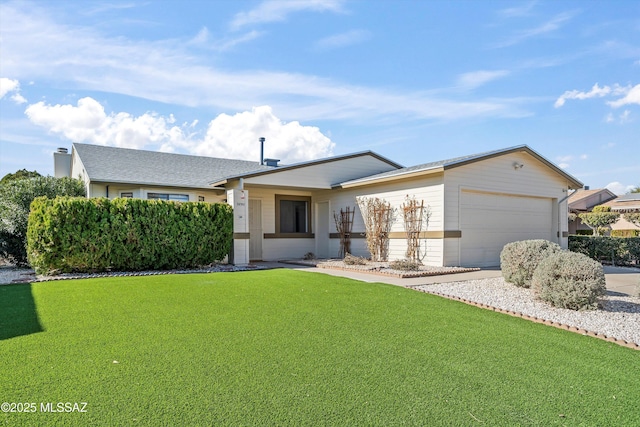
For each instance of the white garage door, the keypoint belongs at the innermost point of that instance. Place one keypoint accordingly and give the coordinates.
(489, 221)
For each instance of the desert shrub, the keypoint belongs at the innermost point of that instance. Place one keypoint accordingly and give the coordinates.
(354, 260)
(405, 265)
(569, 280)
(518, 260)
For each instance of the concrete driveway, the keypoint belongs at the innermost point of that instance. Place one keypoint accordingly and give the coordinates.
(623, 280)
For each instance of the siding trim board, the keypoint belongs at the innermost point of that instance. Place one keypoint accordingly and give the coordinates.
(440, 234)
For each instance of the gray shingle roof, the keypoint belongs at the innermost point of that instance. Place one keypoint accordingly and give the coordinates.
(459, 161)
(124, 165)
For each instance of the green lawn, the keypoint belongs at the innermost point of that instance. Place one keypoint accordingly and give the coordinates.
(286, 347)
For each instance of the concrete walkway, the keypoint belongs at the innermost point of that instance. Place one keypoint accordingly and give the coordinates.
(622, 280)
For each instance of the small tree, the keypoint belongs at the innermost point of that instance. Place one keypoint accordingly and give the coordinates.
(599, 219)
(15, 201)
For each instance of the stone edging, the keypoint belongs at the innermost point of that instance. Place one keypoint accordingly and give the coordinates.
(558, 325)
(71, 276)
(400, 275)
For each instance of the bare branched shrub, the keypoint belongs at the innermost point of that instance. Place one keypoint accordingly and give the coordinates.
(344, 225)
(415, 214)
(405, 265)
(354, 260)
(378, 218)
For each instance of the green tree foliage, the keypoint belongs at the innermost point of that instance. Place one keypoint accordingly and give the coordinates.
(21, 174)
(86, 235)
(599, 219)
(15, 199)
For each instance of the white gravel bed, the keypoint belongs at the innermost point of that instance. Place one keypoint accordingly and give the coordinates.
(619, 316)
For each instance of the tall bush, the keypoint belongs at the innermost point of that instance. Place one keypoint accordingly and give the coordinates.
(518, 260)
(569, 280)
(16, 196)
(80, 235)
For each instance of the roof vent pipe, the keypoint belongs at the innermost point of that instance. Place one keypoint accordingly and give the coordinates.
(586, 187)
(261, 150)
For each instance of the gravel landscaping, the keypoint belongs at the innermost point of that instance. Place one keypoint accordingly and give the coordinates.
(381, 268)
(618, 317)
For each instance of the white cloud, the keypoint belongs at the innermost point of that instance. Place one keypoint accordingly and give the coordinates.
(226, 136)
(518, 11)
(624, 117)
(344, 39)
(278, 10)
(550, 26)
(596, 91)
(474, 79)
(563, 165)
(619, 188)
(204, 40)
(33, 47)
(8, 86)
(237, 137)
(632, 96)
(88, 122)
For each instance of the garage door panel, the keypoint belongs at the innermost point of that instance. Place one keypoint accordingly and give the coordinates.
(489, 221)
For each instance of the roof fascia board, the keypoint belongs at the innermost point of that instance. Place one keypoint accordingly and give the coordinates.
(406, 175)
(312, 163)
(155, 184)
(573, 182)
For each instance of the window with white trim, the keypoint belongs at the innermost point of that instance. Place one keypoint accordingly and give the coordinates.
(166, 196)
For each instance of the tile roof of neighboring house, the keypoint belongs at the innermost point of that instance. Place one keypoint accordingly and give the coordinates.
(627, 203)
(579, 195)
(124, 165)
(460, 161)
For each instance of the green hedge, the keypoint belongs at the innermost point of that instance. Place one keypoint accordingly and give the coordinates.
(617, 250)
(86, 235)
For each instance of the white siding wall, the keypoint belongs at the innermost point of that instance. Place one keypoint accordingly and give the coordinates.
(279, 248)
(324, 175)
(430, 189)
(497, 175)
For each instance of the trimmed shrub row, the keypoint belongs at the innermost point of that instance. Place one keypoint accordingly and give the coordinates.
(617, 250)
(561, 278)
(88, 235)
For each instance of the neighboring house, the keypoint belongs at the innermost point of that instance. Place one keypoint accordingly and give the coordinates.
(583, 201)
(477, 203)
(629, 203)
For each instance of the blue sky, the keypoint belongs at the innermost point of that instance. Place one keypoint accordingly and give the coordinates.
(416, 81)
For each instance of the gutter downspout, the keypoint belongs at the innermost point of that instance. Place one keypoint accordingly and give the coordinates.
(559, 216)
